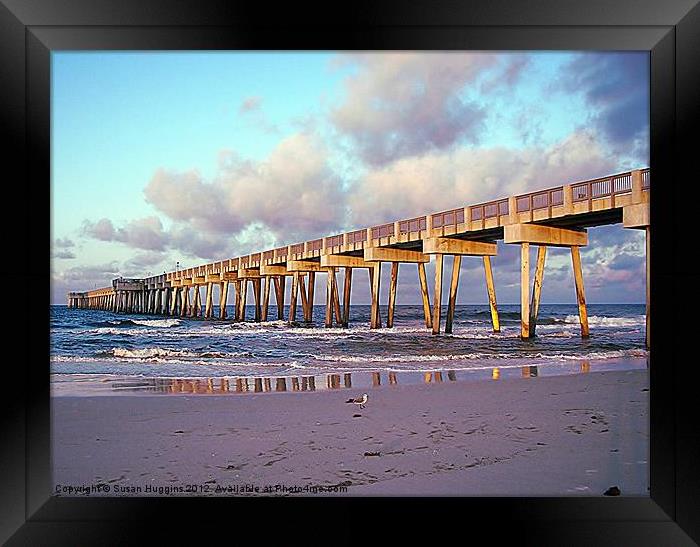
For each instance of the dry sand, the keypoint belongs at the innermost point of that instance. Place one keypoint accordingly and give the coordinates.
(548, 436)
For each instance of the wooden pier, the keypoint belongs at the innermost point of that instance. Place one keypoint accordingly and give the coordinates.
(554, 217)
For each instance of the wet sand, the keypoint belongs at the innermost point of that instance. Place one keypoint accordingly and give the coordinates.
(576, 434)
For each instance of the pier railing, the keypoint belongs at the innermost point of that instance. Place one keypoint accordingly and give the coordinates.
(334, 241)
(357, 236)
(448, 218)
(489, 209)
(413, 225)
(539, 200)
(281, 253)
(602, 187)
(383, 230)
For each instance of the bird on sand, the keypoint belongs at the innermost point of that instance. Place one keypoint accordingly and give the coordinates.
(359, 400)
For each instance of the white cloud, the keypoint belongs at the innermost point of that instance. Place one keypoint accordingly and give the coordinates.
(401, 104)
(444, 180)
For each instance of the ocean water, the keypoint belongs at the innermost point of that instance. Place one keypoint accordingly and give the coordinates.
(95, 343)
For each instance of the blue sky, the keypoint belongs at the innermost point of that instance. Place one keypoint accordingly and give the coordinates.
(192, 157)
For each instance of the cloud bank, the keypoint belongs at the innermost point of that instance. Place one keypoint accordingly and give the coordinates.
(404, 137)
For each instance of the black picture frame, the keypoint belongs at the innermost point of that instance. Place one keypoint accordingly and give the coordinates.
(670, 30)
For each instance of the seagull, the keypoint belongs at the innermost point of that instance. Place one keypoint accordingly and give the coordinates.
(359, 401)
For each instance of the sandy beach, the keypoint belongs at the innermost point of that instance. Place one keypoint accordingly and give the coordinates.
(575, 434)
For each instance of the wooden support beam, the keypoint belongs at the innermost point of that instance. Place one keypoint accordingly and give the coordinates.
(342, 261)
(237, 300)
(437, 303)
(273, 270)
(453, 293)
(336, 301)
(452, 246)
(276, 288)
(185, 301)
(491, 290)
(392, 294)
(223, 297)
(375, 278)
(544, 235)
(256, 297)
(390, 254)
(310, 297)
(425, 296)
(304, 266)
(280, 282)
(347, 285)
(537, 287)
(329, 298)
(174, 299)
(212, 277)
(636, 216)
(304, 298)
(197, 305)
(525, 290)
(249, 273)
(198, 279)
(580, 293)
(293, 297)
(266, 297)
(210, 301)
(244, 296)
(229, 276)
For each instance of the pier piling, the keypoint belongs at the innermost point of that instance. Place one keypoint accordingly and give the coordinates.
(453, 293)
(437, 302)
(392, 294)
(580, 293)
(491, 290)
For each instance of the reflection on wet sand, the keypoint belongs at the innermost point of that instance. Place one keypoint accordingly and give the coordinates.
(333, 381)
(436, 377)
(529, 371)
(305, 383)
